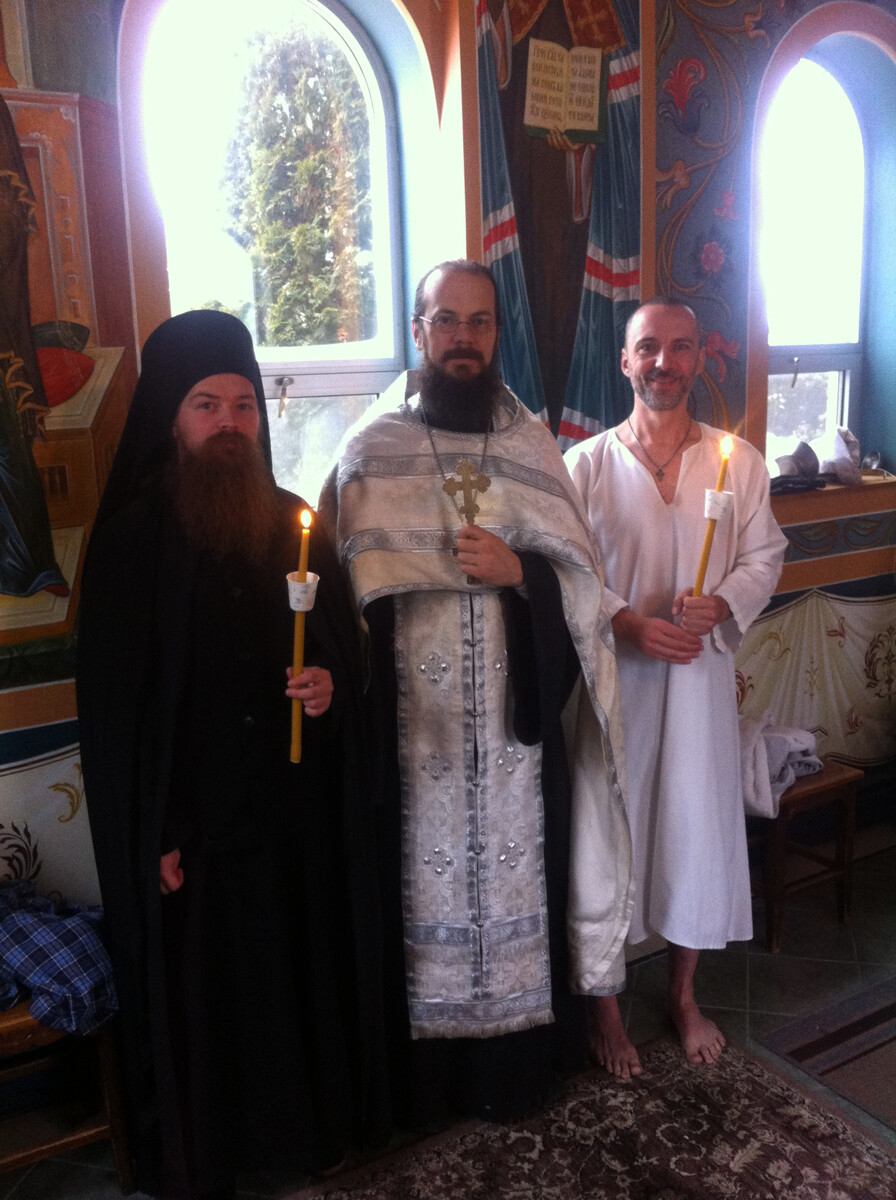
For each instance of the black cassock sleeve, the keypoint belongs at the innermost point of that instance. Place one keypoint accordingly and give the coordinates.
(542, 659)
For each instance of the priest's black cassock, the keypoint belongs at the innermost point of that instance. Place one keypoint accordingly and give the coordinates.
(250, 1010)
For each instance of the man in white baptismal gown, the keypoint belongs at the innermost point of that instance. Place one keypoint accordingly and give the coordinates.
(644, 485)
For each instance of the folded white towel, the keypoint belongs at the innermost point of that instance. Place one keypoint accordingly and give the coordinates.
(772, 758)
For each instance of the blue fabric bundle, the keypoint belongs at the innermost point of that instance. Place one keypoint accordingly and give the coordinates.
(56, 954)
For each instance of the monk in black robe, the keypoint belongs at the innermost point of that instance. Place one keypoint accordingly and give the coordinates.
(240, 913)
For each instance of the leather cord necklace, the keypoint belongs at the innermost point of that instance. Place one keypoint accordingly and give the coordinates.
(660, 468)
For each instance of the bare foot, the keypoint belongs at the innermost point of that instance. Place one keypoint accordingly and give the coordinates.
(607, 1041)
(701, 1038)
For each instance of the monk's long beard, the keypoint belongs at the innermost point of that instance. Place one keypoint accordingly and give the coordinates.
(226, 498)
(462, 405)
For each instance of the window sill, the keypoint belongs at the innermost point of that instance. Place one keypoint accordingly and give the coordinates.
(875, 494)
(844, 560)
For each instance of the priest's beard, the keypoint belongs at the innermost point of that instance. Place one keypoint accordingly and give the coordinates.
(226, 498)
(462, 405)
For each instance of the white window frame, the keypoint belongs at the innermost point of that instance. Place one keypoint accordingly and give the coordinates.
(843, 357)
(368, 366)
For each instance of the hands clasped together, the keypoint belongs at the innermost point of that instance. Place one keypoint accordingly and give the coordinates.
(666, 641)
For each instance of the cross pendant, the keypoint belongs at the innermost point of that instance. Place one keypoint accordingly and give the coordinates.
(660, 474)
(470, 483)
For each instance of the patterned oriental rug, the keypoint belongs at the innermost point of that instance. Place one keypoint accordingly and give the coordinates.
(730, 1131)
(850, 1047)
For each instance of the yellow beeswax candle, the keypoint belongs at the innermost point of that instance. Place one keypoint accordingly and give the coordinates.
(298, 640)
(727, 446)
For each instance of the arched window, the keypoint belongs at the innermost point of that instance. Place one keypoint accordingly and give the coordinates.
(811, 250)
(273, 162)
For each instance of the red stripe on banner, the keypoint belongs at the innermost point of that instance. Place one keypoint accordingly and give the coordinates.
(576, 432)
(481, 10)
(616, 279)
(624, 79)
(499, 232)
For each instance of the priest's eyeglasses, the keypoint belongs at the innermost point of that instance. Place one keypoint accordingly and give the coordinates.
(448, 323)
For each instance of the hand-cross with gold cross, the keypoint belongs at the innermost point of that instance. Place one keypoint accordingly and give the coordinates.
(471, 484)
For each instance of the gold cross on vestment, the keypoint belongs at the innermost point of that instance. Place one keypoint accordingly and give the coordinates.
(471, 484)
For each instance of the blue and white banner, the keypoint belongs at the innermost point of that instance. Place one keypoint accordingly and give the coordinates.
(500, 241)
(597, 393)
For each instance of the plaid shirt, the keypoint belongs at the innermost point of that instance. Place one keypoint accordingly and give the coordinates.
(55, 952)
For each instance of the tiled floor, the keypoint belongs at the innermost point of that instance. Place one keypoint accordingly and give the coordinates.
(744, 988)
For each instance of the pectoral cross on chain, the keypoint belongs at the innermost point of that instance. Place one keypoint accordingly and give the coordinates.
(471, 484)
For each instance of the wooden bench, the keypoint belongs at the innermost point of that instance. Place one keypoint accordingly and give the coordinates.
(27, 1047)
(835, 785)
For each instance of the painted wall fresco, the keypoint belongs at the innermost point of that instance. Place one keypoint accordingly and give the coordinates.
(72, 362)
(825, 539)
(551, 177)
(44, 831)
(710, 61)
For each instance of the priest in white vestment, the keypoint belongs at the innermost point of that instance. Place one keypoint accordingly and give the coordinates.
(505, 863)
(644, 486)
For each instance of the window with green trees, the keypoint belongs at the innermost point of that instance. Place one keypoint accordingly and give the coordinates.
(268, 137)
(297, 191)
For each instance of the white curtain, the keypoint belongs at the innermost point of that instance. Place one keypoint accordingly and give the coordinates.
(828, 665)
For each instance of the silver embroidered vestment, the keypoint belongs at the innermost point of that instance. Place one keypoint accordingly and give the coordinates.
(473, 824)
(475, 906)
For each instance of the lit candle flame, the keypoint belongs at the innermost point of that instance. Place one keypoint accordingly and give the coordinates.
(727, 446)
(305, 518)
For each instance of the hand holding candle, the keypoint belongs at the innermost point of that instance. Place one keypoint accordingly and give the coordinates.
(727, 446)
(298, 641)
